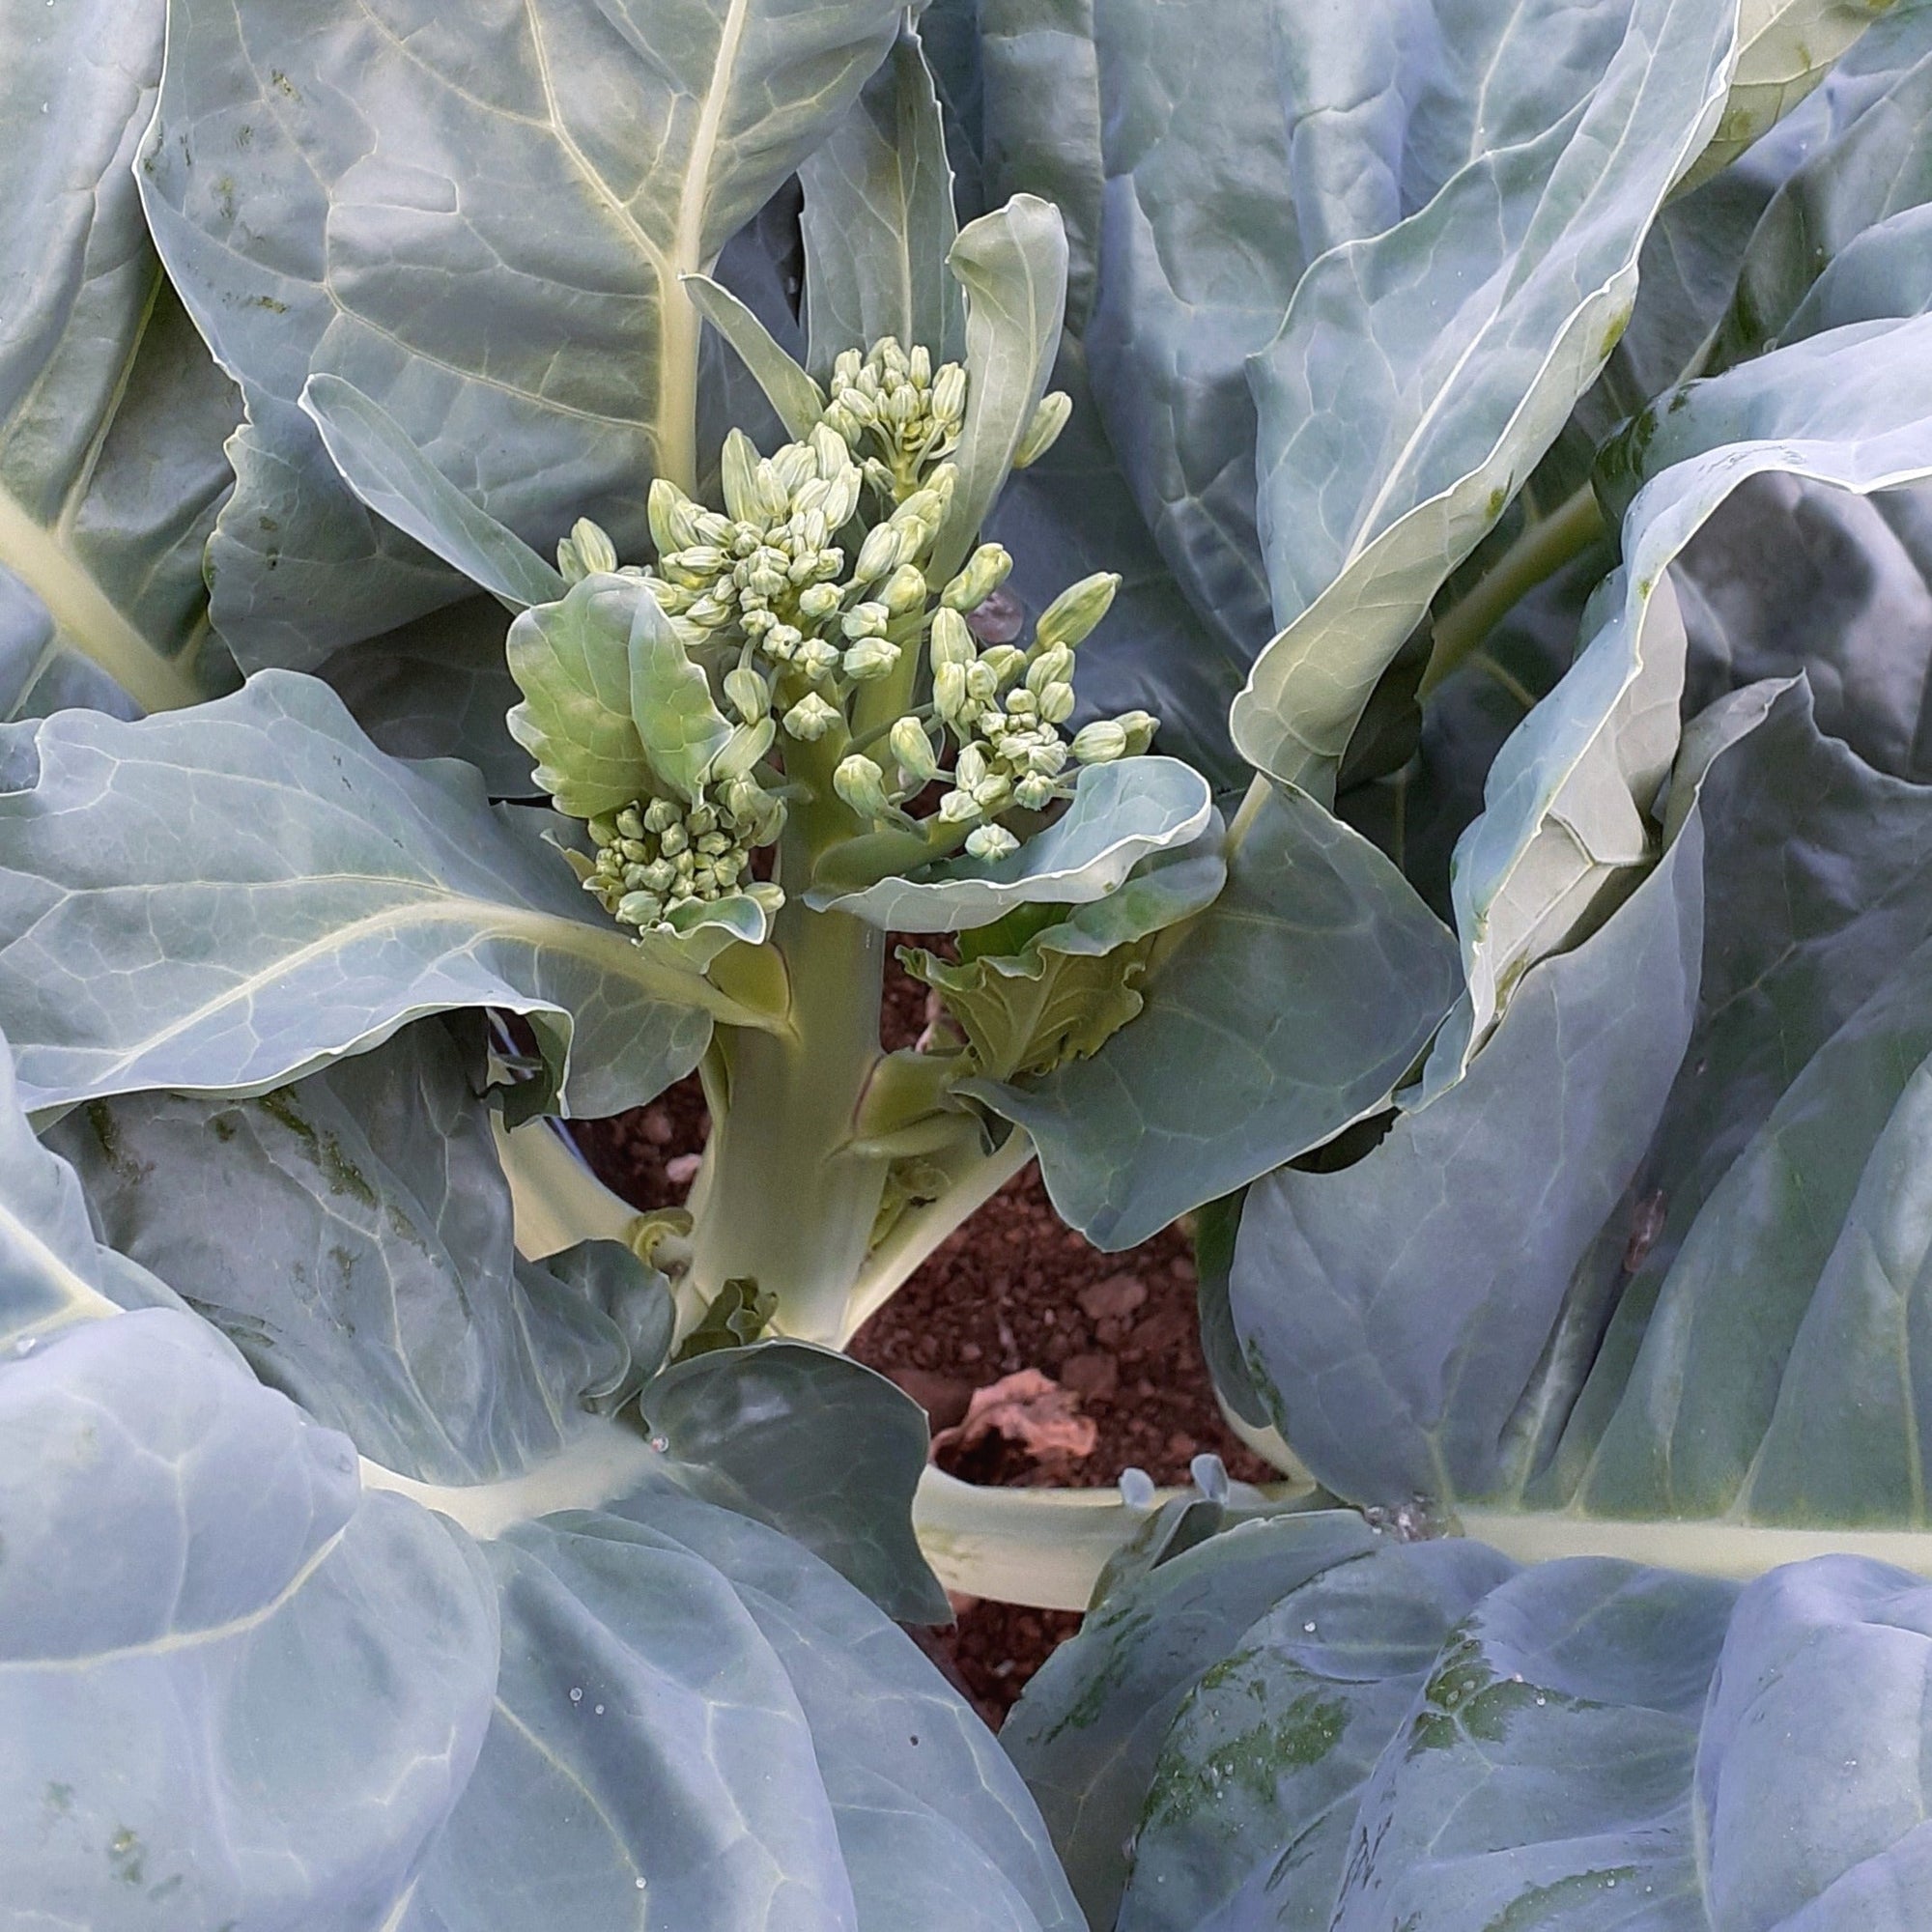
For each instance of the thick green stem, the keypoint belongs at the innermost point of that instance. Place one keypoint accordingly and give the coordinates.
(790, 1201)
(1537, 554)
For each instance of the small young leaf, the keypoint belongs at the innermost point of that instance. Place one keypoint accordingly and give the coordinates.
(681, 729)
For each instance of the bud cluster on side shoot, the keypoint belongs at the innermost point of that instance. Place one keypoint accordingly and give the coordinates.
(810, 584)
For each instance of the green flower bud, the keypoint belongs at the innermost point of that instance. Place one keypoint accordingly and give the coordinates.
(949, 692)
(603, 829)
(660, 815)
(748, 694)
(913, 751)
(903, 590)
(817, 658)
(993, 792)
(1140, 727)
(820, 601)
(1101, 743)
(831, 453)
(926, 508)
(673, 839)
(870, 657)
(865, 620)
(877, 555)
(845, 367)
(919, 365)
(1021, 703)
(1056, 703)
(630, 823)
(1050, 667)
(794, 465)
(958, 807)
(985, 570)
(861, 784)
(1074, 612)
(674, 518)
(640, 909)
(991, 842)
(982, 684)
(586, 553)
(769, 895)
(1043, 431)
(949, 394)
(842, 499)
(951, 642)
(970, 768)
(738, 474)
(810, 717)
(1034, 791)
(1004, 662)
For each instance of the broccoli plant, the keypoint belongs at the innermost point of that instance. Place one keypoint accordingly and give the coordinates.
(1347, 589)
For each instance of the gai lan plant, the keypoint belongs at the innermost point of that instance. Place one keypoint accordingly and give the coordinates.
(1350, 588)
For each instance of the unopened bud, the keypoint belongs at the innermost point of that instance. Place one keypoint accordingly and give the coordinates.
(1099, 743)
(584, 552)
(1043, 431)
(991, 842)
(1140, 727)
(1050, 667)
(1056, 703)
(903, 590)
(970, 768)
(949, 692)
(949, 394)
(810, 717)
(738, 474)
(864, 620)
(673, 517)
(1034, 791)
(958, 807)
(877, 555)
(1074, 612)
(912, 750)
(861, 784)
(985, 571)
(660, 815)
(820, 601)
(830, 454)
(951, 642)
(640, 909)
(748, 694)
(870, 657)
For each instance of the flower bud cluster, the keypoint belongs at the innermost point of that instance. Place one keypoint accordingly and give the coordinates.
(896, 413)
(659, 854)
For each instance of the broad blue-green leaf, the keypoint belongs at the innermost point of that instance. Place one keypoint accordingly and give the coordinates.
(699, 1726)
(1567, 797)
(1290, 1008)
(1089, 1732)
(1790, 576)
(1426, 1737)
(225, 900)
(111, 414)
(351, 1234)
(1839, 241)
(1120, 812)
(1392, 432)
(878, 222)
(1040, 121)
(1402, 1343)
(816, 1445)
(1012, 265)
(54, 1269)
(1785, 47)
(439, 688)
(1249, 1816)
(236, 1689)
(400, 484)
(480, 222)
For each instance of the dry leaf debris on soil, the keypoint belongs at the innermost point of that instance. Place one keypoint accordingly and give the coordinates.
(1038, 1359)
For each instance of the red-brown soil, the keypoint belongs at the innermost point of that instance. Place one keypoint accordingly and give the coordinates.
(1012, 1290)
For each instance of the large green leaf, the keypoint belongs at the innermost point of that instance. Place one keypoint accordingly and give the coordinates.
(1622, 1272)
(878, 222)
(351, 1234)
(1423, 1737)
(111, 414)
(237, 1689)
(698, 1727)
(222, 900)
(480, 222)
(1567, 798)
(1392, 432)
(1290, 1008)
